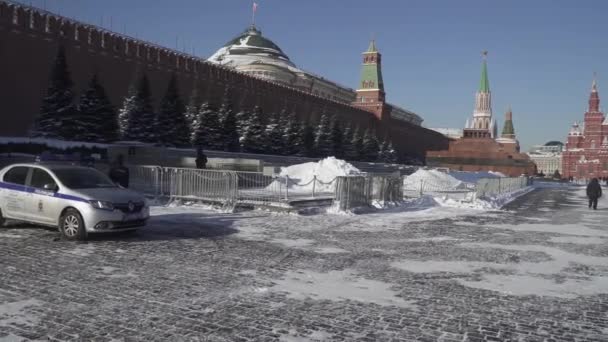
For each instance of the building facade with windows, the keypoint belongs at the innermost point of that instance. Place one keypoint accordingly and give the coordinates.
(586, 153)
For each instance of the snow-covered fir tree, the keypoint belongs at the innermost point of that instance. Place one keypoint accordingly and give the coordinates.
(242, 119)
(194, 103)
(337, 136)
(125, 111)
(58, 115)
(273, 135)
(323, 138)
(292, 136)
(97, 116)
(370, 146)
(348, 149)
(171, 125)
(136, 117)
(390, 154)
(229, 124)
(208, 129)
(357, 144)
(254, 134)
(382, 151)
(307, 136)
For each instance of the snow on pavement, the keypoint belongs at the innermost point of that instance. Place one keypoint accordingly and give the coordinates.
(298, 232)
(397, 274)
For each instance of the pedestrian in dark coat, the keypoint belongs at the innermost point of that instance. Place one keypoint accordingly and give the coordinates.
(201, 159)
(594, 191)
(119, 174)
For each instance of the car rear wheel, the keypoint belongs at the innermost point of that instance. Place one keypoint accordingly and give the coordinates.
(1, 219)
(71, 225)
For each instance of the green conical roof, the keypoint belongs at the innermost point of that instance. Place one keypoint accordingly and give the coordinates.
(372, 46)
(484, 84)
(508, 128)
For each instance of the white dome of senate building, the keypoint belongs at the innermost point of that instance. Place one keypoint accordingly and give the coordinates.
(249, 48)
(254, 54)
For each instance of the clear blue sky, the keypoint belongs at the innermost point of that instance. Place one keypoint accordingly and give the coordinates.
(542, 53)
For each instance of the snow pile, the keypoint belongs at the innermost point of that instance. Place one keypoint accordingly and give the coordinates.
(431, 180)
(498, 174)
(326, 170)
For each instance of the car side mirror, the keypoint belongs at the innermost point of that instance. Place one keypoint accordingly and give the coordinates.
(50, 187)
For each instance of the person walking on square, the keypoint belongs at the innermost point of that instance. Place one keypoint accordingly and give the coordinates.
(594, 191)
(201, 159)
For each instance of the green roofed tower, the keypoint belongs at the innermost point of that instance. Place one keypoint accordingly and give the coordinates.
(508, 131)
(371, 75)
(370, 94)
(483, 125)
(484, 84)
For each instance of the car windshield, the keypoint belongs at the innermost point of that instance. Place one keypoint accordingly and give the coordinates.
(83, 179)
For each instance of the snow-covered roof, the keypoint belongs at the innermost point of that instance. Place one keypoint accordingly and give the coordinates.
(251, 47)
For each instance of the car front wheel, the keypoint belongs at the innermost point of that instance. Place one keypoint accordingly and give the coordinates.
(71, 225)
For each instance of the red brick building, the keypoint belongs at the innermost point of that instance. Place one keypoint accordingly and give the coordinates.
(480, 149)
(30, 37)
(586, 152)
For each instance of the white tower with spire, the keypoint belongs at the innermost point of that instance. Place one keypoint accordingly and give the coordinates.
(482, 126)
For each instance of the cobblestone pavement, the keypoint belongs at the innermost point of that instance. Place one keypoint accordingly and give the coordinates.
(536, 272)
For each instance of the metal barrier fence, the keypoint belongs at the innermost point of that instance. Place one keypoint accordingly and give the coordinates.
(234, 187)
(444, 189)
(385, 189)
(146, 179)
(352, 192)
(208, 185)
(362, 191)
(227, 187)
(489, 187)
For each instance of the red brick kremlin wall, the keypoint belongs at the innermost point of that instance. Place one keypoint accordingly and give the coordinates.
(29, 39)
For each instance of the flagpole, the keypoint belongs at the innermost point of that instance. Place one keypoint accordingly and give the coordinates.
(253, 13)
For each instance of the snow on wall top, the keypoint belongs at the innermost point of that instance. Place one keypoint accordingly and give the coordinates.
(54, 143)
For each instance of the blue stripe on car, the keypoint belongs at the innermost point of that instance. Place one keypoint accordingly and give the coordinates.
(29, 189)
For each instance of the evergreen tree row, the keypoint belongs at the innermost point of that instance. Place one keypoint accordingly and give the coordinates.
(196, 123)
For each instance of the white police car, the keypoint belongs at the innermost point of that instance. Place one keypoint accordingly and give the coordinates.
(78, 200)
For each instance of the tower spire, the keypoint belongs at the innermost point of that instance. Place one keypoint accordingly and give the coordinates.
(484, 84)
(482, 126)
(508, 131)
(594, 98)
(372, 46)
(370, 93)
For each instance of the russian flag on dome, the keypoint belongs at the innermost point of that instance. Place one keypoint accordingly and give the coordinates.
(255, 6)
